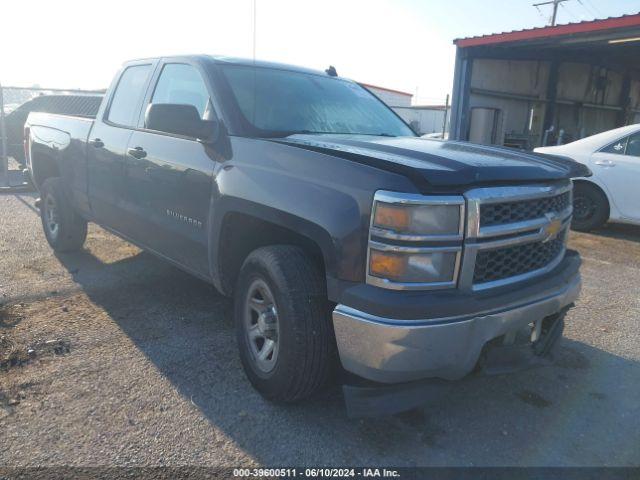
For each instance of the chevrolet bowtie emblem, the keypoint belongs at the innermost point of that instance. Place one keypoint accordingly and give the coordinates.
(551, 229)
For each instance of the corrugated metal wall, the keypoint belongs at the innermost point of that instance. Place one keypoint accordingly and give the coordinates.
(588, 99)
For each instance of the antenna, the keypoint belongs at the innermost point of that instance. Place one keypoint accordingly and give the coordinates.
(254, 30)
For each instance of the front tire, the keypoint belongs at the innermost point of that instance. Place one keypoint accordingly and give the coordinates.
(283, 325)
(590, 208)
(64, 229)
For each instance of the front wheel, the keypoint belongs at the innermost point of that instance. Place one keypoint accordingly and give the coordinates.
(283, 324)
(65, 230)
(590, 208)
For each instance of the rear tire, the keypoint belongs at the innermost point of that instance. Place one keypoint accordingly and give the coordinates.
(64, 229)
(590, 208)
(283, 324)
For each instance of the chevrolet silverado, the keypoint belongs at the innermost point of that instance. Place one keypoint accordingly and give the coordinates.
(348, 243)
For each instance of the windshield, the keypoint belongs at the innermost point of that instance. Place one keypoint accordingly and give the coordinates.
(278, 102)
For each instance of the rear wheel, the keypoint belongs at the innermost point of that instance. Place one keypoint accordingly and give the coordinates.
(64, 229)
(283, 324)
(590, 208)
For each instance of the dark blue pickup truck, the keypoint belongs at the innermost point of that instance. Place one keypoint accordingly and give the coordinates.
(349, 244)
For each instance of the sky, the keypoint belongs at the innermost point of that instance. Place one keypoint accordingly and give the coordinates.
(402, 44)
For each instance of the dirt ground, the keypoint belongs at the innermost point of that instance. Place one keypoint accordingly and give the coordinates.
(112, 357)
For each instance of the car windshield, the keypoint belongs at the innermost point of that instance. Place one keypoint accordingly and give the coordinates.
(278, 103)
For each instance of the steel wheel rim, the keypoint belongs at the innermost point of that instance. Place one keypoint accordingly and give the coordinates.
(51, 217)
(262, 328)
(583, 208)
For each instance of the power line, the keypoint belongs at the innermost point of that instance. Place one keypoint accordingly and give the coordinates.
(566, 9)
(540, 13)
(554, 13)
(588, 8)
(596, 9)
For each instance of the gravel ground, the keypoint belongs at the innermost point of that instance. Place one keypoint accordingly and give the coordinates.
(121, 359)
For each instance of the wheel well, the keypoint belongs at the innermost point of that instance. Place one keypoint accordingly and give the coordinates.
(241, 234)
(597, 187)
(43, 166)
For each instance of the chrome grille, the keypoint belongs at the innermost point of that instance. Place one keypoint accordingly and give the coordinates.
(514, 233)
(501, 263)
(511, 212)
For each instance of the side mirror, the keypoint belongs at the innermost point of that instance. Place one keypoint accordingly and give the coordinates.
(180, 119)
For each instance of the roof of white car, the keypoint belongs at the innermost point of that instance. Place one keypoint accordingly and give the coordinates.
(599, 140)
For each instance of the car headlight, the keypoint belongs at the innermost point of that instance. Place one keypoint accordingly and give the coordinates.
(430, 220)
(415, 241)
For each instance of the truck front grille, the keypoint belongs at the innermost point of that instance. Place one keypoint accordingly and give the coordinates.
(514, 233)
(508, 262)
(511, 212)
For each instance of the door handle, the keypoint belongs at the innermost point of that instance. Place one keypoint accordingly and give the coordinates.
(96, 142)
(605, 163)
(137, 152)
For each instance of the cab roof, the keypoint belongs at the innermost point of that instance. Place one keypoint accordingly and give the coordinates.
(226, 60)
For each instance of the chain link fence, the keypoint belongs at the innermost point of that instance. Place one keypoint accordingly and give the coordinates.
(15, 105)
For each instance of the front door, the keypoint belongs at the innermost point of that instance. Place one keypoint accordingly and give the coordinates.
(170, 177)
(618, 166)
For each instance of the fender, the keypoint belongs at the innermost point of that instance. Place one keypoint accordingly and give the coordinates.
(47, 147)
(228, 205)
(324, 198)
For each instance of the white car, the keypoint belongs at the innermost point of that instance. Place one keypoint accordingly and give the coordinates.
(613, 192)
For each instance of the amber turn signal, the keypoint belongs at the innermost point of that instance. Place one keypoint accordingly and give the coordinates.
(391, 216)
(387, 265)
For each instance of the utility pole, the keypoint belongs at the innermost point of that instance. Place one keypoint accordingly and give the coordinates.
(444, 121)
(555, 4)
(4, 161)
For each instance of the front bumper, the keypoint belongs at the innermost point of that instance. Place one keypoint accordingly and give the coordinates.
(390, 350)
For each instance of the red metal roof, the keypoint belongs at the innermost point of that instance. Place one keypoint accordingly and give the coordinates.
(611, 23)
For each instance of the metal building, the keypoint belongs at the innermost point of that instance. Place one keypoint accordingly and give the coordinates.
(423, 118)
(547, 85)
(393, 98)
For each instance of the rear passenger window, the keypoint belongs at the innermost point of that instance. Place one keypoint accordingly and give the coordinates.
(129, 92)
(182, 84)
(616, 147)
(633, 145)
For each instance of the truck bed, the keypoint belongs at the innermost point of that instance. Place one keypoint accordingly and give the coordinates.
(59, 142)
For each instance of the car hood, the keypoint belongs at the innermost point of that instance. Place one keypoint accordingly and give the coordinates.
(436, 163)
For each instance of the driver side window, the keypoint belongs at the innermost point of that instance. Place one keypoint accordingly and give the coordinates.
(182, 84)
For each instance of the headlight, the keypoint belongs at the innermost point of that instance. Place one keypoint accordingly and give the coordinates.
(407, 216)
(415, 241)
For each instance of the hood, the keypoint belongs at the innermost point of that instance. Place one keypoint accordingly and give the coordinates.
(434, 164)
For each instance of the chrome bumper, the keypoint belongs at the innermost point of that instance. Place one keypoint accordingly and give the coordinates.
(392, 351)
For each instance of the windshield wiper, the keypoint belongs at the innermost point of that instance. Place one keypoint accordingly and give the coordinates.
(309, 132)
(283, 134)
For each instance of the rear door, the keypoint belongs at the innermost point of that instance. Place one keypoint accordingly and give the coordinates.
(618, 166)
(170, 176)
(108, 143)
